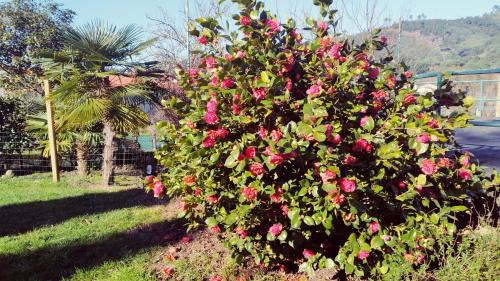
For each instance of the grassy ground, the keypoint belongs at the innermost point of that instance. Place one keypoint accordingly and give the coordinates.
(77, 231)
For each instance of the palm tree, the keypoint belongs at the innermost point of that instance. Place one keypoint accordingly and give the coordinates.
(98, 81)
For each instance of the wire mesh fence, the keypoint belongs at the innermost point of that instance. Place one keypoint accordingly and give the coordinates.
(132, 156)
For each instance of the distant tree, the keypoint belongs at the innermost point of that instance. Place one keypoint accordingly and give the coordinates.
(13, 137)
(26, 28)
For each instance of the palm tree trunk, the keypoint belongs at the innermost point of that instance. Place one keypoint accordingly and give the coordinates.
(81, 157)
(108, 154)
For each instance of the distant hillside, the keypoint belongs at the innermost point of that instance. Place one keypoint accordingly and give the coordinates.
(437, 45)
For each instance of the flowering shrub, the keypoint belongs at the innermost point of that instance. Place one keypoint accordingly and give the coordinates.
(313, 152)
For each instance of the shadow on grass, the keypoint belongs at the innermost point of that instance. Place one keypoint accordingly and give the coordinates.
(20, 218)
(55, 263)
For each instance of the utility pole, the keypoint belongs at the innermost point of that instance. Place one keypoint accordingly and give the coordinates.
(50, 128)
(398, 54)
(186, 9)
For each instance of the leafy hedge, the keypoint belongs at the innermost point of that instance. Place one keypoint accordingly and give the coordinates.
(310, 151)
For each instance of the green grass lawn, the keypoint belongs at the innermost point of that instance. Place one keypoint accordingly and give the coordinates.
(74, 231)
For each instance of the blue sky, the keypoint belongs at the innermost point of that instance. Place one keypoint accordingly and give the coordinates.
(121, 12)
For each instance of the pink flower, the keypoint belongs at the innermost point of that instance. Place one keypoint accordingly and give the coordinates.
(197, 191)
(221, 133)
(276, 135)
(362, 145)
(208, 142)
(268, 151)
(363, 121)
(276, 229)
(240, 54)
(256, 169)
(212, 105)
(424, 138)
(149, 179)
(227, 83)
(213, 199)
(322, 26)
(275, 197)
(276, 159)
(214, 82)
(193, 73)
(259, 93)
(262, 132)
(362, 255)
(428, 167)
(185, 239)
(335, 51)
(236, 109)
(327, 175)
(465, 159)
(338, 199)
(241, 232)
(203, 40)
(245, 21)
(444, 162)
(390, 81)
(409, 99)
(408, 74)
(284, 209)
(373, 73)
(249, 193)
(211, 118)
(210, 62)
(189, 180)
(386, 237)
(229, 57)
(379, 95)
(314, 90)
(464, 174)
(250, 152)
(347, 185)
(402, 185)
(215, 229)
(273, 25)
(158, 189)
(383, 39)
(308, 253)
(350, 160)
(374, 227)
(336, 139)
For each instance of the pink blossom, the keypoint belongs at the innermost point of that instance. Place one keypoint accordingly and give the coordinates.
(276, 229)
(276, 135)
(327, 175)
(193, 73)
(362, 255)
(336, 139)
(158, 189)
(250, 152)
(221, 133)
(465, 159)
(464, 174)
(210, 62)
(245, 21)
(322, 26)
(308, 253)
(386, 237)
(197, 191)
(445, 162)
(272, 24)
(338, 199)
(374, 227)
(208, 142)
(276, 159)
(363, 121)
(203, 40)
(383, 39)
(390, 81)
(408, 74)
(284, 209)
(236, 109)
(212, 105)
(213, 199)
(229, 57)
(275, 197)
(379, 95)
(259, 93)
(347, 185)
(262, 132)
(402, 185)
(424, 138)
(189, 180)
(211, 118)
(227, 83)
(350, 160)
(335, 51)
(362, 145)
(240, 54)
(214, 82)
(241, 232)
(149, 179)
(409, 99)
(373, 73)
(249, 193)
(428, 167)
(215, 229)
(314, 90)
(256, 169)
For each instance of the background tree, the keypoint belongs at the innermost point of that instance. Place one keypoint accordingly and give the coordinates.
(100, 82)
(26, 28)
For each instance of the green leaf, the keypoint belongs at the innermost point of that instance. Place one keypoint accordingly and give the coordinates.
(421, 179)
(308, 220)
(376, 242)
(389, 151)
(384, 269)
(232, 159)
(421, 148)
(264, 76)
(282, 235)
(459, 208)
(329, 263)
(211, 221)
(434, 218)
(294, 216)
(369, 125)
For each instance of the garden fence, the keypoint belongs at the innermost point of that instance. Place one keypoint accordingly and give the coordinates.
(131, 157)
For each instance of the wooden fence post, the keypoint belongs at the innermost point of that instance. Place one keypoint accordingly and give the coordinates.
(52, 136)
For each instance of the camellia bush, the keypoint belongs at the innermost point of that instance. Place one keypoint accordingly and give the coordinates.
(314, 153)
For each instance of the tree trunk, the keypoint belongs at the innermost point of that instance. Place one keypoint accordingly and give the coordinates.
(81, 158)
(108, 155)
